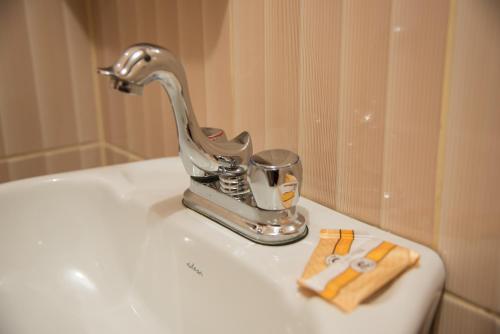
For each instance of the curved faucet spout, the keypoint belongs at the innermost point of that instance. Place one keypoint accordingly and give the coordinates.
(201, 155)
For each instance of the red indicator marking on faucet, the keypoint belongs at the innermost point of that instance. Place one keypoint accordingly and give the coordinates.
(216, 135)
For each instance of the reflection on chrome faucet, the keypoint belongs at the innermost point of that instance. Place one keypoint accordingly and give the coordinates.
(253, 195)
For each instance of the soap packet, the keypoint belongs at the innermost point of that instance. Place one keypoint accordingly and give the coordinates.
(348, 266)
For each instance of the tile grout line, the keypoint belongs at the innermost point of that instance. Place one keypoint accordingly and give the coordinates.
(300, 131)
(232, 75)
(97, 93)
(339, 140)
(76, 120)
(388, 95)
(58, 150)
(266, 71)
(445, 106)
(204, 48)
(300, 75)
(470, 305)
(36, 87)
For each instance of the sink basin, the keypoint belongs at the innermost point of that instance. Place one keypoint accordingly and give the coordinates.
(113, 250)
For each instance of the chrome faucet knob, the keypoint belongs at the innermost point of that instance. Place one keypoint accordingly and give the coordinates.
(275, 178)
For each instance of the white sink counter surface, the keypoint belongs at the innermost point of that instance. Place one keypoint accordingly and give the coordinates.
(113, 250)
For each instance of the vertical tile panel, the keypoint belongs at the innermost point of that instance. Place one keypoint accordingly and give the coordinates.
(192, 54)
(217, 55)
(51, 72)
(107, 46)
(319, 88)
(167, 27)
(457, 317)
(282, 57)
(248, 61)
(469, 232)
(151, 97)
(19, 118)
(79, 52)
(128, 23)
(416, 65)
(363, 82)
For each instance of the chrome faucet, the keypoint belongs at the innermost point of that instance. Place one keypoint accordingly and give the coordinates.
(202, 155)
(253, 195)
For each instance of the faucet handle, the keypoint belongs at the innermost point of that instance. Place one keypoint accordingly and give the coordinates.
(275, 178)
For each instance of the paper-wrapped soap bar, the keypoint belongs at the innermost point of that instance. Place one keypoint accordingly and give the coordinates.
(348, 266)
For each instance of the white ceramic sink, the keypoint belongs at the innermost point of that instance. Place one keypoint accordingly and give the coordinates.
(112, 250)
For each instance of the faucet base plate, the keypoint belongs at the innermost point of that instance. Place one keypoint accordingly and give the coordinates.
(261, 226)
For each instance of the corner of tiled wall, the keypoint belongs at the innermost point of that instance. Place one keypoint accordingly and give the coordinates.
(47, 114)
(467, 231)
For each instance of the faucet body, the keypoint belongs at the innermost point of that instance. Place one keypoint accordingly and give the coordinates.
(201, 155)
(260, 205)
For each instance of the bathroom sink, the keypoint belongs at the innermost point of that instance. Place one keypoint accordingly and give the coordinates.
(113, 250)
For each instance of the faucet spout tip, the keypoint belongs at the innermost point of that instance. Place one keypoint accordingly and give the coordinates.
(126, 86)
(108, 71)
(123, 86)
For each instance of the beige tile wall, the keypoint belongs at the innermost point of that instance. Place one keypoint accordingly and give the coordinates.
(48, 113)
(393, 106)
(144, 125)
